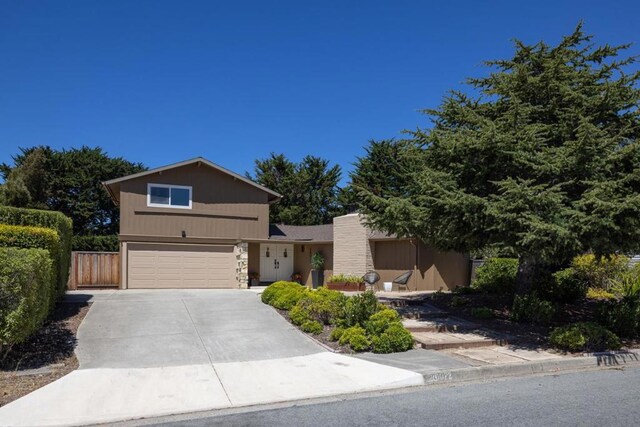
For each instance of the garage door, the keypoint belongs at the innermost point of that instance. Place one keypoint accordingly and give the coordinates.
(180, 266)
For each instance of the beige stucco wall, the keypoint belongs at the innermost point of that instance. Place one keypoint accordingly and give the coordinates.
(352, 250)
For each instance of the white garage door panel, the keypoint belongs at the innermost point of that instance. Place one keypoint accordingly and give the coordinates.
(180, 266)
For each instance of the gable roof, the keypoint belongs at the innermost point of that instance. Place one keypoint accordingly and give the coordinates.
(109, 185)
(301, 233)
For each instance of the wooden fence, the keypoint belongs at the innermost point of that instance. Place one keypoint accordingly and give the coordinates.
(94, 270)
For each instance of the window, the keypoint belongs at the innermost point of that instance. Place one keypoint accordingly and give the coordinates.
(168, 196)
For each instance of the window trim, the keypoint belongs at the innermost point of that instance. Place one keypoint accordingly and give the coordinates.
(169, 186)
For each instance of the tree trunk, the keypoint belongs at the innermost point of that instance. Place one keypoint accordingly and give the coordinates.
(527, 274)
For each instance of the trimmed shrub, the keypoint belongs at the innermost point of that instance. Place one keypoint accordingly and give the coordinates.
(95, 243)
(299, 315)
(336, 334)
(394, 339)
(586, 336)
(283, 295)
(323, 305)
(46, 219)
(531, 309)
(25, 288)
(496, 276)
(312, 327)
(621, 317)
(356, 338)
(600, 272)
(483, 313)
(567, 286)
(359, 308)
(380, 321)
(25, 237)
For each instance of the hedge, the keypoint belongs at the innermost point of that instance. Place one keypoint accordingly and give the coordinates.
(25, 278)
(95, 243)
(23, 237)
(47, 219)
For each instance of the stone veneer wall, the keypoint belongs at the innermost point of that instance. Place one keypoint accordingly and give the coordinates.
(352, 252)
(241, 251)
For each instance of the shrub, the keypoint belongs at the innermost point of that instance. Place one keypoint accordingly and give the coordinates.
(621, 317)
(395, 338)
(567, 286)
(283, 295)
(336, 334)
(95, 243)
(359, 308)
(586, 336)
(531, 309)
(25, 278)
(312, 327)
(26, 237)
(317, 261)
(483, 313)
(496, 276)
(457, 301)
(465, 290)
(627, 285)
(299, 315)
(380, 321)
(599, 272)
(356, 338)
(344, 278)
(323, 305)
(600, 294)
(46, 219)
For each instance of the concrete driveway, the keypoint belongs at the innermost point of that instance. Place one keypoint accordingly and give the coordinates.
(162, 352)
(145, 329)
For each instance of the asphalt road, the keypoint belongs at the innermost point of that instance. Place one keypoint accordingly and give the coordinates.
(604, 397)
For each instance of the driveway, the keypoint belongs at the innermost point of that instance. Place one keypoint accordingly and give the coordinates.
(145, 329)
(162, 352)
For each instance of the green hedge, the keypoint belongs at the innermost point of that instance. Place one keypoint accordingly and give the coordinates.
(25, 276)
(95, 243)
(47, 219)
(496, 276)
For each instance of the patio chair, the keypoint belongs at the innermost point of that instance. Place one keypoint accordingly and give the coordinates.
(403, 279)
(370, 279)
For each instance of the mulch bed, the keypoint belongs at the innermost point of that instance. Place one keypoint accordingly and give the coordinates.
(322, 337)
(45, 357)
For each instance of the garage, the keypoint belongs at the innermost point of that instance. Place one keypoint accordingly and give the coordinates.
(171, 266)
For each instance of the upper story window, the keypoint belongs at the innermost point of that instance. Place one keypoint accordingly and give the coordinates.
(169, 196)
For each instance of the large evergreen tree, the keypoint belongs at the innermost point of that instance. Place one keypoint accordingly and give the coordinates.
(309, 189)
(69, 181)
(541, 158)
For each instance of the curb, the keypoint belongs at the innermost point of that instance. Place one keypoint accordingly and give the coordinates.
(593, 361)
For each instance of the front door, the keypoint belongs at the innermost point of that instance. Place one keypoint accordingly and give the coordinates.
(276, 262)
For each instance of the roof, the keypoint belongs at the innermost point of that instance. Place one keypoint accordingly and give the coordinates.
(109, 185)
(301, 233)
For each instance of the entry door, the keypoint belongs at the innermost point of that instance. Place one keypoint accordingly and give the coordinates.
(276, 262)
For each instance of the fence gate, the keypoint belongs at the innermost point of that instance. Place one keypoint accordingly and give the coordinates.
(94, 270)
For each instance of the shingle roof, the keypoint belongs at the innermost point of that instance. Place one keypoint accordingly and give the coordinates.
(305, 233)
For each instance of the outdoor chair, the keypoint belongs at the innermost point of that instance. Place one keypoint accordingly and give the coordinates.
(370, 279)
(403, 280)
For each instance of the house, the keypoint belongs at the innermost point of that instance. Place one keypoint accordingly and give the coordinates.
(194, 224)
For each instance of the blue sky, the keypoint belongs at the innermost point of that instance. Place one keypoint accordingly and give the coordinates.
(162, 81)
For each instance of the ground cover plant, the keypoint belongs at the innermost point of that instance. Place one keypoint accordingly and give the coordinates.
(356, 323)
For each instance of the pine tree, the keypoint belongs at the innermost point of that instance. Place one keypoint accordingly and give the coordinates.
(541, 157)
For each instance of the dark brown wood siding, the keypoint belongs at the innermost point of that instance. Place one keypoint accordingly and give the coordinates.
(222, 207)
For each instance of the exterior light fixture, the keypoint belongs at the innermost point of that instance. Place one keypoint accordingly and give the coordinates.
(267, 254)
(184, 233)
(285, 253)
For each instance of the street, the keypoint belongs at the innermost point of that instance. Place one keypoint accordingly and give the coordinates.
(581, 398)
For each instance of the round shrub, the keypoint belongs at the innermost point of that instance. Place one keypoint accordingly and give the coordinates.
(531, 309)
(323, 305)
(336, 334)
(283, 295)
(356, 338)
(359, 308)
(299, 315)
(380, 321)
(496, 276)
(585, 336)
(394, 339)
(312, 327)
